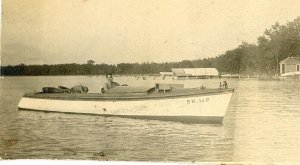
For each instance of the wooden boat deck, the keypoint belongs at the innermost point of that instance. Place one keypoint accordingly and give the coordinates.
(174, 93)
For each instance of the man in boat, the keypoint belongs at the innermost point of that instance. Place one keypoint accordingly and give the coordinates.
(110, 83)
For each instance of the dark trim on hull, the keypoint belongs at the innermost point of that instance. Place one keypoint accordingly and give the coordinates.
(184, 119)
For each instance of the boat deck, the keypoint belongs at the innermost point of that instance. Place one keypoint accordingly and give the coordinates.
(129, 96)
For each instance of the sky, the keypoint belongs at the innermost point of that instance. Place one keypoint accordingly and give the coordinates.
(128, 31)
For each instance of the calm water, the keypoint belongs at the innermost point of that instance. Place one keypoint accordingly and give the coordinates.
(262, 123)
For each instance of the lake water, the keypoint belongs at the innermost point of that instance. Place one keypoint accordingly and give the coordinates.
(262, 124)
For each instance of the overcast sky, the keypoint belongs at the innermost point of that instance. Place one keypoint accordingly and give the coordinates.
(116, 31)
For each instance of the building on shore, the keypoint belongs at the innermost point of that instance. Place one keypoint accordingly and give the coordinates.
(290, 65)
(166, 73)
(194, 73)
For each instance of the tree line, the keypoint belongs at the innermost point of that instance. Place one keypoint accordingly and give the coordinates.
(277, 43)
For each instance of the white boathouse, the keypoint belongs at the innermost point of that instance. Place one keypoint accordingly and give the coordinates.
(195, 73)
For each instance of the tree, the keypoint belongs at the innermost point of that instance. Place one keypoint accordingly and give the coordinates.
(90, 62)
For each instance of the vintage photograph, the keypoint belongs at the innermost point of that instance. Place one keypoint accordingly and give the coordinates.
(168, 81)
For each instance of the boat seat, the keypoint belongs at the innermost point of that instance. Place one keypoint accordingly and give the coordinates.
(167, 87)
(129, 89)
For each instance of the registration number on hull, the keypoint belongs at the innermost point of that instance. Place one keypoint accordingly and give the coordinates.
(197, 100)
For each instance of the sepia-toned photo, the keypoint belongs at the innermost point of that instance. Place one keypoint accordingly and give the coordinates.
(168, 81)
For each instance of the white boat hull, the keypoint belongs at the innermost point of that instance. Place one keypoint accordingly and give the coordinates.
(197, 108)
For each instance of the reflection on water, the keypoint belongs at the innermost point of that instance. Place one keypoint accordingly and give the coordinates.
(261, 124)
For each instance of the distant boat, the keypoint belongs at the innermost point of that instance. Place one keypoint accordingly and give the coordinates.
(164, 102)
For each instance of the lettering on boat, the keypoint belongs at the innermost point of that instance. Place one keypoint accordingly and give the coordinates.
(197, 100)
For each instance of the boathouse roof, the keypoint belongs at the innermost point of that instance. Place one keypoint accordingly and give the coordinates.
(291, 60)
(195, 71)
(178, 71)
(166, 73)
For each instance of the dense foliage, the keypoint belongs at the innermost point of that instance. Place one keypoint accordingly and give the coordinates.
(276, 44)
